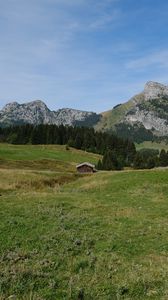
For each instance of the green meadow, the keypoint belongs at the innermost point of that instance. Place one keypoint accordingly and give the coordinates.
(152, 145)
(75, 237)
(41, 157)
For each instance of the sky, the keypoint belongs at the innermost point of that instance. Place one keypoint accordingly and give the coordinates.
(82, 54)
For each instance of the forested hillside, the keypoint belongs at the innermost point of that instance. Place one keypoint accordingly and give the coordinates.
(117, 152)
(78, 137)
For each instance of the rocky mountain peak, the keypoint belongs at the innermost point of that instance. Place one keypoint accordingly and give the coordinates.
(143, 117)
(154, 90)
(35, 105)
(36, 112)
(10, 106)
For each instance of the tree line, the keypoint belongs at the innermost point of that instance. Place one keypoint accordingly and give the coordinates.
(117, 152)
(150, 158)
(83, 138)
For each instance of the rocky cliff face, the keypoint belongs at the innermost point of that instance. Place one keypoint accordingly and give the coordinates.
(155, 90)
(37, 112)
(152, 111)
(146, 111)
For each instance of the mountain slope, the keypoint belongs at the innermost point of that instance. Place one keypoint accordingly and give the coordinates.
(143, 116)
(37, 112)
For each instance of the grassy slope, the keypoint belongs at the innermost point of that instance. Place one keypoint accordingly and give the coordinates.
(114, 116)
(102, 235)
(152, 145)
(111, 117)
(52, 157)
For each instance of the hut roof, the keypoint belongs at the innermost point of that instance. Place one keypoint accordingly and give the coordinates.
(85, 164)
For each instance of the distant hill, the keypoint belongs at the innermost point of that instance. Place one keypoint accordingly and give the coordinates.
(143, 117)
(36, 112)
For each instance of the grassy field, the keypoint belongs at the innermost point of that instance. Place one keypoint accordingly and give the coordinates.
(52, 157)
(152, 145)
(64, 236)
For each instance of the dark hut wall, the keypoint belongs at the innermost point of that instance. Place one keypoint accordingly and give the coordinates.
(85, 169)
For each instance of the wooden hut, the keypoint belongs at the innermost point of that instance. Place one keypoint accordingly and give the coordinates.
(86, 168)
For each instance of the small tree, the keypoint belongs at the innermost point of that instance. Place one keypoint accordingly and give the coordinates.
(163, 158)
(111, 162)
(78, 142)
(151, 163)
(106, 162)
(99, 165)
(138, 161)
(70, 142)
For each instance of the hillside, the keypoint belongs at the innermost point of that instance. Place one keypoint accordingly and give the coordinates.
(143, 117)
(152, 145)
(66, 236)
(43, 157)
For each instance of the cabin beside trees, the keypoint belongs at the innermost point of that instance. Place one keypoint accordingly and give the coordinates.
(117, 153)
(86, 168)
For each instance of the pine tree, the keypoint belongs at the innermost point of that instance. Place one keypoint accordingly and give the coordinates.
(110, 161)
(151, 163)
(163, 158)
(99, 165)
(138, 161)
(106, 162)
(78, 141)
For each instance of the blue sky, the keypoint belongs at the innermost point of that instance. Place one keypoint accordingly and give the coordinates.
(83, 54)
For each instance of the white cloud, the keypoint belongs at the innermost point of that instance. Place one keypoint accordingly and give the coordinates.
(104, 20)
(157, 59)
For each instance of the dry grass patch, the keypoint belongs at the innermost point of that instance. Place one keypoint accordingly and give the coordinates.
(127, 212)
(43, 164)
(158, 199)
(28, 180)
(94, 184)
(156, 260)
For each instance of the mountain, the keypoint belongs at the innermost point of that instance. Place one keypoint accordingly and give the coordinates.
(36, 112)
(143, 117)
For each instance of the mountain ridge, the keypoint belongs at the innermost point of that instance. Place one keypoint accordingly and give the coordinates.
(145, 115)
(36, 112)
